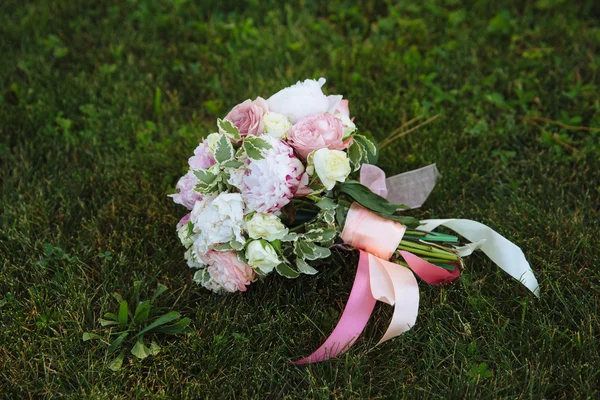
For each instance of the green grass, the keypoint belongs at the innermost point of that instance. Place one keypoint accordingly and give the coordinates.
(102, 102)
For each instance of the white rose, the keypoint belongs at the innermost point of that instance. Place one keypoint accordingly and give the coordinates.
(276, 125)
(217, 220)
(331, 166)
(349, 126)
(262, 256)
(302, 99)
(266, 226)
(211, 141)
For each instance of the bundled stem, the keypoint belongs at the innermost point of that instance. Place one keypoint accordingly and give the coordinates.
(435, 248)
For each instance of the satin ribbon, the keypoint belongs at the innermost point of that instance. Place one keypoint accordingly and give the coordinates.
(378, 279)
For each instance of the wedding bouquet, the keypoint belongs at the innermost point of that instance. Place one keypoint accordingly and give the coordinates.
(286, 178)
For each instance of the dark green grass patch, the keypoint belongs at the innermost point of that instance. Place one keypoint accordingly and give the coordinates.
(101, 104)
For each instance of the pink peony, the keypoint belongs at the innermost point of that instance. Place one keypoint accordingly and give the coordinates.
(316, 132)
(187, 196)
(183, 220)
(202, 158)
(247, 116)
(270, 183)
(227, 272)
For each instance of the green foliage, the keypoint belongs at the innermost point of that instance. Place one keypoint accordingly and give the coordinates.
(230, 130)
(224, 150)
(253, 146)
(365, 197)
(135, 324)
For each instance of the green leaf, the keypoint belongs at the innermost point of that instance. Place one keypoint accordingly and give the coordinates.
(372, 151)
(160, 289)
(310, 251)
(123, 315)
(175, 328)
(142, 312)
(410, 222)
(287, 271)
(356, 154)
(201, 276)
(117, 342)
(137, 285)
(223, 150)
(340, 216)
(232, 164)
(165, 319)
(319, 252)
(238, 246)
(253, 147)
(118, 297)
(276, 244)
(365, 197)
(320, 235)
(154, 348)
(104, 322)
(223, 247)
(91, 336)
(252, 152)
(290, 237)
(116, 364)
(140, 350)
(304, 267)
(327, 204)
(228, 128)
(205, 176)
(111, 316)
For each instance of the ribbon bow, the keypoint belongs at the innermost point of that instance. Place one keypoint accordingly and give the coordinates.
(378, 279)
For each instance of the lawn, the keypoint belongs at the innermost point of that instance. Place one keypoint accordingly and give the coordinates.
(102, 102)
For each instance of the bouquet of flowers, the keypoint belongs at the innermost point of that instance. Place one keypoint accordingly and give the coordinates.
(285, 179)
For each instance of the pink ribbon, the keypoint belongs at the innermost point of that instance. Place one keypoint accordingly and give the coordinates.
(378, 279)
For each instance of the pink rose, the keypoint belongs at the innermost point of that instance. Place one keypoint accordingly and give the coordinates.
(227, 272)
(342, 108)
(247, 116)
(316, 132)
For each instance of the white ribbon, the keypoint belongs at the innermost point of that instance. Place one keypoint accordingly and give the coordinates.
(500, 250)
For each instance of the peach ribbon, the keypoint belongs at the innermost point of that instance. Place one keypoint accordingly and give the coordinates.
(378, 279)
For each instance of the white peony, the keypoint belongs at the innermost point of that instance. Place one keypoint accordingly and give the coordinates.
(262, 256)
(331, 166)
(276, 125)
(302, 99)
(266, 226)
(217, 220)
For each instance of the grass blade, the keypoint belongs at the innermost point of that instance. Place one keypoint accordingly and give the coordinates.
(165, 319)
(123, 316)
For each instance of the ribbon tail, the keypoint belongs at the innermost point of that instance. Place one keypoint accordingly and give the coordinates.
(405, 298)
(354, 318)
(500, 250)
(430, 273)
